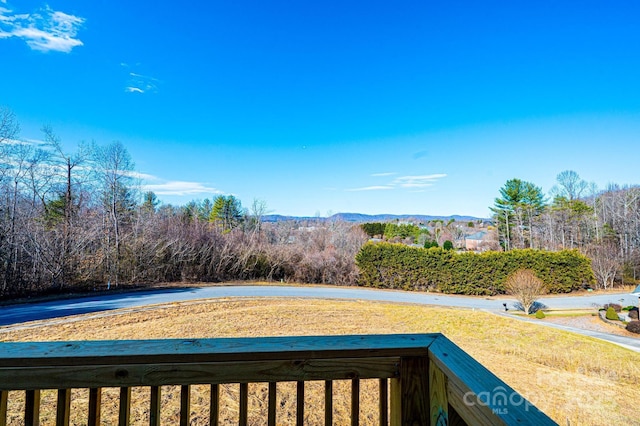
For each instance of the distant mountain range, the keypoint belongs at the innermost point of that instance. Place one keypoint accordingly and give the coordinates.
(363, 218)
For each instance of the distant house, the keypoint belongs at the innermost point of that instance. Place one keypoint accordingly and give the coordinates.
(474, 242)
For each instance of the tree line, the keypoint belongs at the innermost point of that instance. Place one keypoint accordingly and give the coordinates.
(602, 223)
(78, 220)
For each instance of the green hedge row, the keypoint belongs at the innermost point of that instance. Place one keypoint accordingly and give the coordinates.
(397, 266)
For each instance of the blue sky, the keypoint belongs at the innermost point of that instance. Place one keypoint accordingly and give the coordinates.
(407, 107)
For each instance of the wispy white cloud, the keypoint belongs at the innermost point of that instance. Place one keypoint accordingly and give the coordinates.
(405, 182)
(138, 175)
(37, 142)
(418, 181)
(140, 83)
(384, 174)
(44, 30)
(14, 142)
(181, 188)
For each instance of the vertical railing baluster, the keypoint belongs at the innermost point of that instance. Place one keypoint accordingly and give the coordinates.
(271, 418)
(355, 402)
(395, 402)
(32, 408)
(244, 404)
(328, 403)
(185, 405)
(384, 402)
(156, 402)
(300, 404)
(125, 407)
(95, 400)
(4, 399)
(214, 405)
(63, 408)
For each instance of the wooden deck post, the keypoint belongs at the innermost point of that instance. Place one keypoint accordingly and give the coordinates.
(409, 402)
(474, 395)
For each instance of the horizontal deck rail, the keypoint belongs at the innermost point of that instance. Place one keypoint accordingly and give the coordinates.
(421, 378)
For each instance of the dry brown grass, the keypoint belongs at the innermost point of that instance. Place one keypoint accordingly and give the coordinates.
(572, 378)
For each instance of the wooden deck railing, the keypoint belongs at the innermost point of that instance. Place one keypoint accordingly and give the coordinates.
(422, 379)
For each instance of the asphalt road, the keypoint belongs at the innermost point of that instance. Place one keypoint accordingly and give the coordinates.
(11, 315)
(15, 314)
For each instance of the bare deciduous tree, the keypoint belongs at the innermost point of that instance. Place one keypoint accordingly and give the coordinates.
(570, 185)
(113, 167)
(9, 126)
(605, 262)
(525, 287)
(66, 168)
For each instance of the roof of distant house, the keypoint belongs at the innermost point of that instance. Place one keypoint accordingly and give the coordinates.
(477, 236)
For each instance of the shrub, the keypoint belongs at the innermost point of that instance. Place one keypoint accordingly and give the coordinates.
(540, 314)
(611, 314)
(447, 245)
(386, 265)
(404, 231)
(634, 327)
(633, 313)
(628, 308)
(616, 307)
(430, 243)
